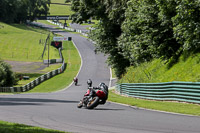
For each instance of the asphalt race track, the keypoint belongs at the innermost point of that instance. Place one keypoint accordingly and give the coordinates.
(59, 110)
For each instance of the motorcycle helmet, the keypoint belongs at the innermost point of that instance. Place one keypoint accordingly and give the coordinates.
(89, 82)
(101, 84)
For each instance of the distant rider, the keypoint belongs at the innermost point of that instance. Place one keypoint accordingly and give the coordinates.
(75, 80)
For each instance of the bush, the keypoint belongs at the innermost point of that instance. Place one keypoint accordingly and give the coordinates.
(7, 77)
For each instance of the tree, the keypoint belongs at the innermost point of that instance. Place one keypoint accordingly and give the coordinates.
(7, 77)
(187, 24)
(21, 11)
(8, 10)
(148, 31)
(15, 11)
(110, 14)
(2, 9)
(135, 31)
(67, 1)
(37, 8)
(2, 76)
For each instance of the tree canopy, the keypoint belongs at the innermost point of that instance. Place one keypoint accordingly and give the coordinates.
(110, 14)
(15, 11)
(148, 31)
(135, 31)
(7, 77)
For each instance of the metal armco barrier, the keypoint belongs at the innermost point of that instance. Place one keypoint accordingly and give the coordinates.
(35, 82)
(44, 77)
(169, 91)
(67, 28)
(38, 80)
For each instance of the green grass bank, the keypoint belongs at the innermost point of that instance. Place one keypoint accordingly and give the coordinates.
(186, 69)
(167, 106)
(73, 62)
(20, 42)
(7, 127)
(60, 9)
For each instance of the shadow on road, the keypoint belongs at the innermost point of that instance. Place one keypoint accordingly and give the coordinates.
(78, 85)
(30, 101)
(107, 109)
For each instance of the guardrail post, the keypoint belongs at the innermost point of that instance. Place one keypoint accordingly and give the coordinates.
(120, 89)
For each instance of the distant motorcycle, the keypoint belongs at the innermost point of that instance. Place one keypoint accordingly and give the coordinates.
(75, 81)
(92, 98)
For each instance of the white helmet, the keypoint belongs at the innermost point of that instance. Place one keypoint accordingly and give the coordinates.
(89, 82)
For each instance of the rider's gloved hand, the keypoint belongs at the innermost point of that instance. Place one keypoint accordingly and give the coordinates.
(95, 88)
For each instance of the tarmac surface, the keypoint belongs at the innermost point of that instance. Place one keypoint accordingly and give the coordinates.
(27, 67)
(59, 110)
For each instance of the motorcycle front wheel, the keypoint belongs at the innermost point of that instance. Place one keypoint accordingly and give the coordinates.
(80, 104)
(92, 103)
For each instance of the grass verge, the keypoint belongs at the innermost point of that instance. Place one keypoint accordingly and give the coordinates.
(175, 107)
(186, 69)
(7, 127)
(73, 61)
(113, 73)
(32, 76)
(20, 42)
(59, 9)
(45, 22)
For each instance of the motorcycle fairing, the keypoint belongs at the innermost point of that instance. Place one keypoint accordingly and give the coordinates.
(100, 94)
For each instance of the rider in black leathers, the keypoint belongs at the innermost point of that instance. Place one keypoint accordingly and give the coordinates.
(102, 86)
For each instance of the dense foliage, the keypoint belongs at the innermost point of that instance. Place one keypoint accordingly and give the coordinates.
(187, 24)
(110, 13)
(7, 77)
(19, 10)
(145, 34)
(136, 31)
(160, 29)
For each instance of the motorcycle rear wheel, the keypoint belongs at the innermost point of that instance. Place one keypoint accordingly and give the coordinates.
(93, 103)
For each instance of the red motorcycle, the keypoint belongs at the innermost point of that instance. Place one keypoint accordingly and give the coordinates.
(92, 98)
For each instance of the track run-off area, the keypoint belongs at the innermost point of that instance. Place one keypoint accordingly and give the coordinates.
(58, 110)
